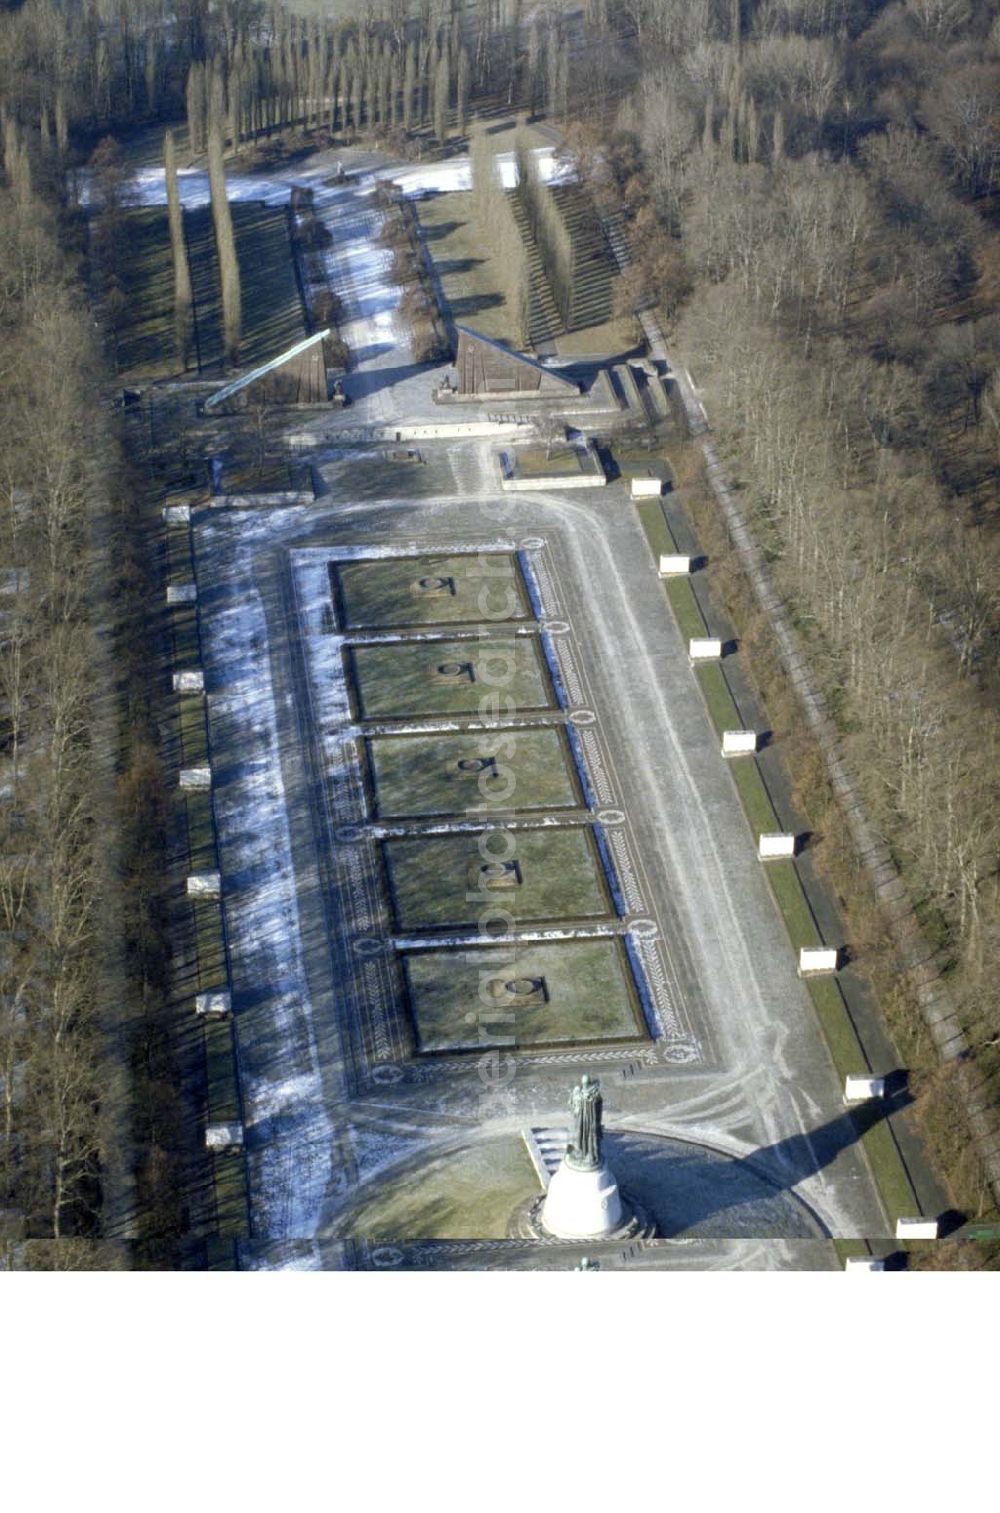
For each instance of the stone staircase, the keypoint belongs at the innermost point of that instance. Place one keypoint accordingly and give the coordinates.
(546, 1146)
(591, 297)
(614, 233)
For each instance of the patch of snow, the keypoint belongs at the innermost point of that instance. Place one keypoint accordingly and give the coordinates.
(291, 1156)
(456, 173)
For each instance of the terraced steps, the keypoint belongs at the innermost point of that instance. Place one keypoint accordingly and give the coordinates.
(544, 321)
(591, 298)
(546, 1146)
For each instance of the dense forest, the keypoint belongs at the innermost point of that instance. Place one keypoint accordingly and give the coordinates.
(810, 188)
(56, 821)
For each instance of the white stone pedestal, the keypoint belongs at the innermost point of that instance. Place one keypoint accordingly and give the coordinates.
(580, 1205)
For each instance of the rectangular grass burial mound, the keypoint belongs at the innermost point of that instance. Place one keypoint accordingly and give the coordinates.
(471, 772)
(400, 591)
(555, 993)
(453, 882)
(410, 679)
(566, 466)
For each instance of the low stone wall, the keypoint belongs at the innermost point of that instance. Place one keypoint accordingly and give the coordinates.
(557, 481)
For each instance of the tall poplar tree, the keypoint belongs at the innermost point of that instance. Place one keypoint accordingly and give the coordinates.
(462, 81)
(195, 101)
(442, 84)
(409, 84)
(225, 242)
(183, 302)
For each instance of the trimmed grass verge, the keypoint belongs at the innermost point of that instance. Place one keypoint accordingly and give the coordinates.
(193, 731)
(200, 830)
(180, 568)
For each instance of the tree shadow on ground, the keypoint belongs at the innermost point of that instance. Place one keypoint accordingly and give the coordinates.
(366, 354)
(470, 303)
(363, 385)
(439, 232)
(457, 265)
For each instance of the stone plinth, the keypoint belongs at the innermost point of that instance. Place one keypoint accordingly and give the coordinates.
(582, 1205)
(738, 742)
(224, 1137)
(195, 777)
(916, 1229)
(860, 1089)
(814, 959)
(771, 846)
(214, 1005)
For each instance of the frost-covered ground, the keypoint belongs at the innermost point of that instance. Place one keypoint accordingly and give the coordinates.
(289, 1134)
(358, 266)
(288, 1131)
(275, 185)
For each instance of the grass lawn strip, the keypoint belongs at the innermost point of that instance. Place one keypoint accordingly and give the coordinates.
(212, 974)
(193, 730)
(574, 992)
(414, 679)
(433, 590)
(184, 636)
(420, 775)
(466, 1195)
(222, 1084)
(200, 830)
(442, 882)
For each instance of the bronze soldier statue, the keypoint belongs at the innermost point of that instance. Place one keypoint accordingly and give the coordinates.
(585, 1105)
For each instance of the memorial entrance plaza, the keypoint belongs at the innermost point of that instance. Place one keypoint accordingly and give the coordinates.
(476, 837)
